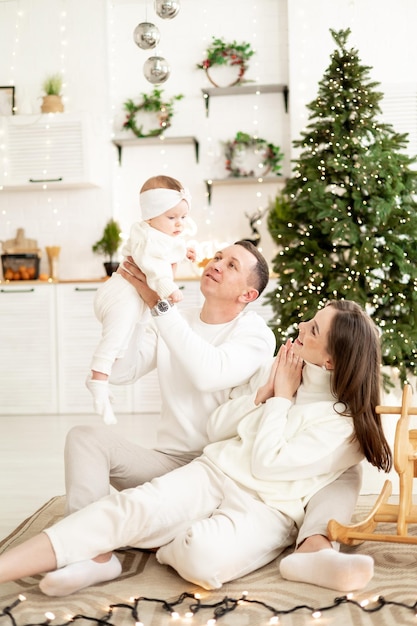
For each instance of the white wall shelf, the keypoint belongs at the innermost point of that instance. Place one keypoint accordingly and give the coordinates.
(245, 89)
(121, 142)
(241, 180)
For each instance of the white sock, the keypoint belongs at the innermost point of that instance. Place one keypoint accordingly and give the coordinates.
(76, 576)
(328, 568)
(101, 395)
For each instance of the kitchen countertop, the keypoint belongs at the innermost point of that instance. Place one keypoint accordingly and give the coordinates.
(15, 283)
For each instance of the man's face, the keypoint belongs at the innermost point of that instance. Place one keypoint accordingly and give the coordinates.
(227, 274)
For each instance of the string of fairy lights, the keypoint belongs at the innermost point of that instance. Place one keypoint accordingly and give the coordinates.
(119, 75)
(24, 103)
(214, 156)
(215, 608)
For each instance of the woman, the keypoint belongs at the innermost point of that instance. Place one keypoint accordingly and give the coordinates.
(236, 507)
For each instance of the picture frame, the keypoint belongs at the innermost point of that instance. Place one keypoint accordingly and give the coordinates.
(7, 100)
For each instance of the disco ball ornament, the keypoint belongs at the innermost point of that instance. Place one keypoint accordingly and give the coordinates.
(156, 70)
(146, 35)
(167, 9)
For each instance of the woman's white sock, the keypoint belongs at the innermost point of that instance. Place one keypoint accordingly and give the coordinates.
(101, 395)
(67, 580)
(328, 568)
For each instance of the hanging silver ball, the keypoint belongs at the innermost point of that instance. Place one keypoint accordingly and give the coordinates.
(146, 35)
(167, 9)
(156, 70)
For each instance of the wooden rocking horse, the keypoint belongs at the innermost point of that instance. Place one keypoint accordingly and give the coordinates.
(405, 464)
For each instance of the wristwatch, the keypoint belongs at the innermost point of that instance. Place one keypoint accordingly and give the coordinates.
(161, 307)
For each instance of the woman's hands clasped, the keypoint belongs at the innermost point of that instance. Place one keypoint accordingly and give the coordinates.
(285, 376)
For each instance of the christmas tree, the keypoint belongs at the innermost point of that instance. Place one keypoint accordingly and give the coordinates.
(346, 221)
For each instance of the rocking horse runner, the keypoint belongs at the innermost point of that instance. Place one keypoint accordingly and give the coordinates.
(405, 464)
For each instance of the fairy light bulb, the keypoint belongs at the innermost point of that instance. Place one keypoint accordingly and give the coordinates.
(63, 46)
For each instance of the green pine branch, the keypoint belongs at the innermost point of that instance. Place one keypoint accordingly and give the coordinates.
(346, 221)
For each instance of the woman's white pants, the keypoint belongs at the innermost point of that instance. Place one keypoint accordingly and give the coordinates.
(210, 530)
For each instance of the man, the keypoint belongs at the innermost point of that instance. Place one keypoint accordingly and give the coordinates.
(203, 358)
(200, 356)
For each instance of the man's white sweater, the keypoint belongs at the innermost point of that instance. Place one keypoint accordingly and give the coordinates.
(198, 366)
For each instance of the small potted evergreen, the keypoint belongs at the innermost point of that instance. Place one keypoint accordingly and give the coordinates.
(52, 100)
(108, 245)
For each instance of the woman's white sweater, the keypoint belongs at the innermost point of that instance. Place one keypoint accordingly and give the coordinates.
(284, 451)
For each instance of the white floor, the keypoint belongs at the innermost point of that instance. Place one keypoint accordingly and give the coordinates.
(31, 459)
(32, 469)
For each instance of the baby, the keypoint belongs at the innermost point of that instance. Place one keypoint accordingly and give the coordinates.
(155, 246)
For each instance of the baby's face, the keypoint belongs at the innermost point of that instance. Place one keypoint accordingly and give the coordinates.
(171, 222)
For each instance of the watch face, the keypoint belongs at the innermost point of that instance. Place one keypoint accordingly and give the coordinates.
(163, 306)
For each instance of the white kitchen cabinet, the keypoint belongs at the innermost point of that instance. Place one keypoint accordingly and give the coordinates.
(28, 381)
(53, 150)
(78, 333)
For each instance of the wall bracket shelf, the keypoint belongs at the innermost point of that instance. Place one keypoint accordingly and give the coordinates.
(245, 89)
(241, 180)
(120, 143)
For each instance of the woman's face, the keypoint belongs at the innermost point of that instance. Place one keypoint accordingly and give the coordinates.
(311, 343)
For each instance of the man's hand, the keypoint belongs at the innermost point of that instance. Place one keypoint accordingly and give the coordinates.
(134, 275)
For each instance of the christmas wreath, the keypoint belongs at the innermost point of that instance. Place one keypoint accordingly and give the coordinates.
(270, 156)
(150, 103)
(231, 54)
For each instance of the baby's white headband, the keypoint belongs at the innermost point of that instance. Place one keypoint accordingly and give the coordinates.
(154, 202)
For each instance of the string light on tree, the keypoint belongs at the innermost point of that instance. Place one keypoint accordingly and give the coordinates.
(352, 181)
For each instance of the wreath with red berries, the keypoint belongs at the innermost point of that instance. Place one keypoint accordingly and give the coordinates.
(271, 155)
(150, 103)
(231, 54)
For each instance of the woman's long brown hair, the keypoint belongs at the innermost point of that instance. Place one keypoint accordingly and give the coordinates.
(354, 347)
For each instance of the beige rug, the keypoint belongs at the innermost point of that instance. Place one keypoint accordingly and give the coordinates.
(395, 580)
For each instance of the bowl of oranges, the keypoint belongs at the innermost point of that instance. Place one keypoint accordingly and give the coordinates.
(20, 266)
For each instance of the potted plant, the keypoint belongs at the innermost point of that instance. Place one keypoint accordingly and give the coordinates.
(52, 100)
(108, 245)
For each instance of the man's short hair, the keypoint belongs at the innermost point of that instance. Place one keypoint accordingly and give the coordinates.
(260, 273)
